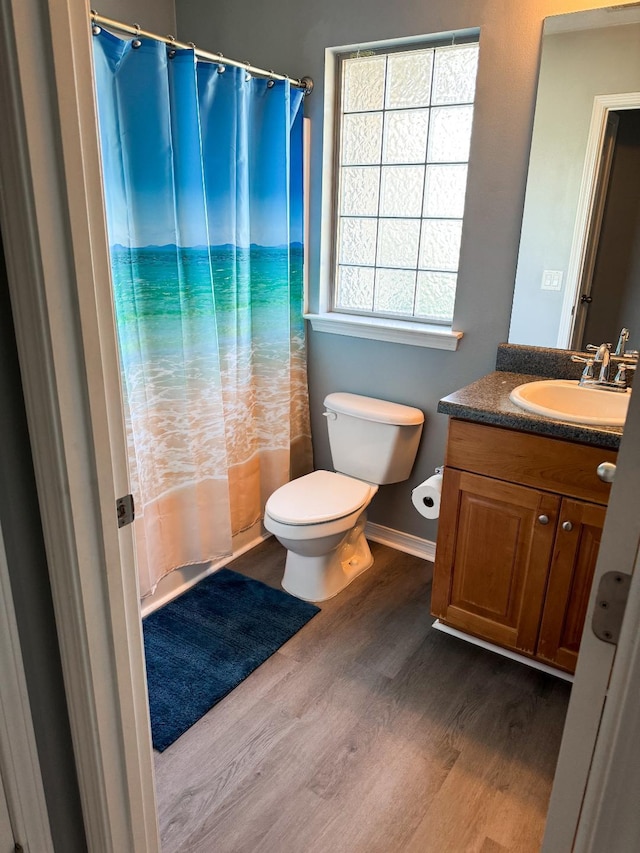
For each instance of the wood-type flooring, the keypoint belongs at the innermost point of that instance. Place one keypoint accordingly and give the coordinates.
(368, 732)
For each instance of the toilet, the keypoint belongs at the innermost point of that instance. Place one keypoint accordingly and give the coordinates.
(320, 518)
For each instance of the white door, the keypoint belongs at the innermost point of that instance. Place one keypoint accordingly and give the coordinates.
(588, 214)
(601, 668)
(7, 842)
(609, 817)
(594, 230)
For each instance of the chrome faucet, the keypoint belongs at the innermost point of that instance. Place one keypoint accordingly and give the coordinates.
(597, 370)
(602, 358)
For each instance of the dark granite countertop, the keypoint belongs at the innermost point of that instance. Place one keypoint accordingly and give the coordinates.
(487, 401)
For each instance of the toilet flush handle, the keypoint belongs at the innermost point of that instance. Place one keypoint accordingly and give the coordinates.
(331, 415)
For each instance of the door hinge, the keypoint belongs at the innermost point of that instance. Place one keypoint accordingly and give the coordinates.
(611, 601)
(125, 510)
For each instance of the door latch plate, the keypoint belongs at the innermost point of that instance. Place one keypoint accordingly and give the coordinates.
(125, 510)
(611, 600)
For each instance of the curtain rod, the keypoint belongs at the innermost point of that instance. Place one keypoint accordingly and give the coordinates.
(135, 30)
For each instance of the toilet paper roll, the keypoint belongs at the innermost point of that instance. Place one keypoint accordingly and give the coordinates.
(426, 497)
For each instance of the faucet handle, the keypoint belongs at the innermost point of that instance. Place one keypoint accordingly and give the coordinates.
(621, 376)
(587, 373)
(594, 348)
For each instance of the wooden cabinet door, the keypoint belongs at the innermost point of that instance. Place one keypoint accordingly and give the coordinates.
(493, 557)
(570, 579)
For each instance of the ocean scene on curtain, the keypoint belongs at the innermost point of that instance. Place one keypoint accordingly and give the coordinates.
(203, 192)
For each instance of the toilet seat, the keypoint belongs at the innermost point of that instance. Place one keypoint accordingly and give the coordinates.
(318, 497)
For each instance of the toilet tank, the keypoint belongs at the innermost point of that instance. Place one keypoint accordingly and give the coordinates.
(370, 439)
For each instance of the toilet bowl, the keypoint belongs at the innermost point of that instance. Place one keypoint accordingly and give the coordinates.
(320, 518)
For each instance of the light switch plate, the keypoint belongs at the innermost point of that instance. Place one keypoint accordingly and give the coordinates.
(552, 280)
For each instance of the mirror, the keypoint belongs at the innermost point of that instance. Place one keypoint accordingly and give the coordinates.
(578, 274)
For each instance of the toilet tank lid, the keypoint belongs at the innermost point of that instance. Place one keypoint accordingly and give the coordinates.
(372, 409)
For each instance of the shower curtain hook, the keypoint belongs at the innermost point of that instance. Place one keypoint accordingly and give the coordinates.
(136, 43)
(95, 29)
(221, 66)
(247, 75)
(172, 50)
(271, 82)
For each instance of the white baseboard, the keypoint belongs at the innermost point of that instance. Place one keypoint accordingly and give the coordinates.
(507, 653)
(405, 542)
(180, 580)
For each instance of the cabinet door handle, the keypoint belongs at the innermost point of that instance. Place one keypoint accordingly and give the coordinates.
(543, 519)
(606, 471)
(566, 525)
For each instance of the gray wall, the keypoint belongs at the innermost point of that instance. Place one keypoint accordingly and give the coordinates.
(291, 37)
(156, 16)
(575, 67)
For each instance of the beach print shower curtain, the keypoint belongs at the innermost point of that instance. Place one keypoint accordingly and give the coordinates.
(203, 188)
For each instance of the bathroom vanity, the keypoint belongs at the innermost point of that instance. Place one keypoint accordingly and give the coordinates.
(522, 511)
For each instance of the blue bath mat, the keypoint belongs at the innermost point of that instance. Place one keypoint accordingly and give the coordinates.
(203, 644)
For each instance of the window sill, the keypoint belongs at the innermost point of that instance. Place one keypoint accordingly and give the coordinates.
(378, 329)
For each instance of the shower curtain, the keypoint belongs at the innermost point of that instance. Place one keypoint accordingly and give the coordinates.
(203, 189)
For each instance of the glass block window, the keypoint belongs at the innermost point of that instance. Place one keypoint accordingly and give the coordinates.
(404, 134)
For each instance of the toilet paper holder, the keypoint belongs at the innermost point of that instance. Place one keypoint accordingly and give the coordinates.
(428, 501)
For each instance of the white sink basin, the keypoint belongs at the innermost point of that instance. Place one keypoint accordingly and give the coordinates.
(567, 401)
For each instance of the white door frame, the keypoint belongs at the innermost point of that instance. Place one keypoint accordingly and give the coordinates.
(52, 222)
(24, 807)
(602, 105)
